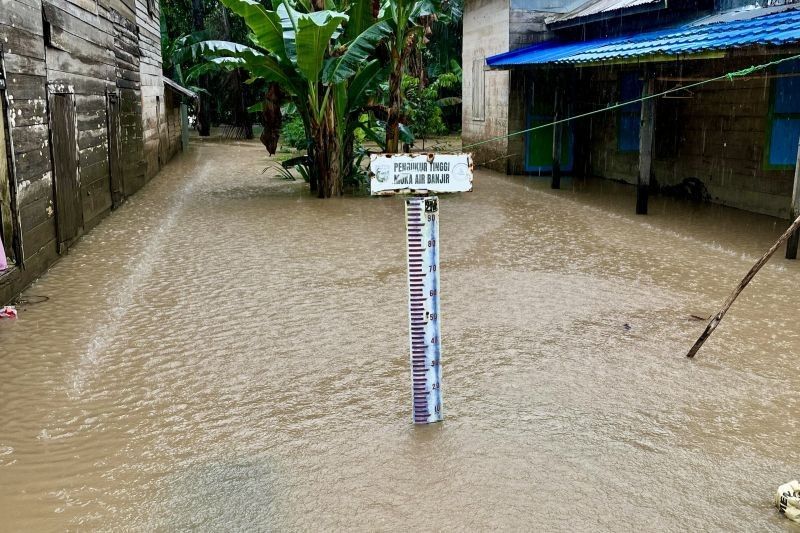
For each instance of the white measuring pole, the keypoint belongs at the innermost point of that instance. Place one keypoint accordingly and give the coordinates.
(422, 227)
(422, 175)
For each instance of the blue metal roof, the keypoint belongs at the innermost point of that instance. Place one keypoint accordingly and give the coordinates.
(770, 29)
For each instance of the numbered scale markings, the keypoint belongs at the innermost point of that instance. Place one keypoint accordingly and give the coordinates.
(422, 224)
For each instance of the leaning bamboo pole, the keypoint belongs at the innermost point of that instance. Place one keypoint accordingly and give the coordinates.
(716, 319)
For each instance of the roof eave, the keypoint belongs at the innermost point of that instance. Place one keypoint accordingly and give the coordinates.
(179, 88)
(651, 58)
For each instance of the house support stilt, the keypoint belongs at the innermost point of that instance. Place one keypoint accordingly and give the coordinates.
(558, 106)
(791, 244)
(646, 141)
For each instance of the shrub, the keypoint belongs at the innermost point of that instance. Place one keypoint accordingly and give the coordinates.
(293, 133)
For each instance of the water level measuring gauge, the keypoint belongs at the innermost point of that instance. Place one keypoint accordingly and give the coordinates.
(421, 175)
(422, 223)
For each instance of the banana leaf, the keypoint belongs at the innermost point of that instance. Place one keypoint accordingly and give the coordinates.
(360, 12)
(364, 81)
(338, 69)
(265, 25)
(406, 135)
(314, 32)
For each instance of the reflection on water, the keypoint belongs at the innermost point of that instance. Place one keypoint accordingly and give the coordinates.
(226, 352)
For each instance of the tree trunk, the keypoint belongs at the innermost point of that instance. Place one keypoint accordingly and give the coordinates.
(395, 103)
(347, 156)
(313, 172)
(328, 154)
(204, 109)
(241, 115)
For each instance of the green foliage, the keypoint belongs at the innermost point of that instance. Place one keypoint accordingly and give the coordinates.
(284, 170)
(425, 115)
(293, 132)
(358, 178)
(327, 72)
(329, 63)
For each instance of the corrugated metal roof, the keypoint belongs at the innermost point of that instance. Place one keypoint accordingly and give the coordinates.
(179, 88)
(598, 7)
(691, 38)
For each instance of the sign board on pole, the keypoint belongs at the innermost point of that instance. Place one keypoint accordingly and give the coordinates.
(420, 174)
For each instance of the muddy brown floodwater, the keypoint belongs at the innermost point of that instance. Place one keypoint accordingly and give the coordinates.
(226, 352)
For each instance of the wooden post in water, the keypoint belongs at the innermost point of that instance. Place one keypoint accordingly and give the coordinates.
(716, 319)
(646, 141)
(185, 127)
(558, 104)
(791, 244)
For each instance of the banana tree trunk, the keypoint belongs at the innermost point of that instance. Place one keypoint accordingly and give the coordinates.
(328, 154)
(395, 103)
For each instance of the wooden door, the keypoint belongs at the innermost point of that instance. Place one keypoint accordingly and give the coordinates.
(114, 163)
(66, 177)
(539, 142)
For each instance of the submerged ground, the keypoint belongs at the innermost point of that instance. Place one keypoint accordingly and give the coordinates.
(227, 352)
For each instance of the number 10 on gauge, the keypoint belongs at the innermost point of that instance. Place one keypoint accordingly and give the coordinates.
(422, 228)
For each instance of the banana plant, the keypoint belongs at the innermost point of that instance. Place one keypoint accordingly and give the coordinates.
(177, 53)
(320, 62)
(410, 22)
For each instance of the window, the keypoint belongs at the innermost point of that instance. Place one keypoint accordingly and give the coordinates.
(630, 116)
(784, 128)
(151, 8)
(478, 90)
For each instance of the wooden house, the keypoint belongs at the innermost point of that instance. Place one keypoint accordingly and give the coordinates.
(84, 121)
(732, 141)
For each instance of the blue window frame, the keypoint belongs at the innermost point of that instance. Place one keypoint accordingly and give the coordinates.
(629, 122)
(784, 126)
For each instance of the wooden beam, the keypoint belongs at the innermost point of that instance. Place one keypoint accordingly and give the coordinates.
(558, 104)
(646, 139)
(716, 319)
(794, 239)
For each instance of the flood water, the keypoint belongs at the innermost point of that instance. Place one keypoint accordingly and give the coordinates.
(226, 352)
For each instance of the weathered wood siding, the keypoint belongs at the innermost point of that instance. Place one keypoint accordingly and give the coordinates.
(153, 115)
(22, 42)
(126, 51)
(89, 50)
(172, 107)
(80, 60)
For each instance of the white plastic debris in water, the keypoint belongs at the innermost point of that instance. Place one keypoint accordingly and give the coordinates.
(787, 500)
(9, 311)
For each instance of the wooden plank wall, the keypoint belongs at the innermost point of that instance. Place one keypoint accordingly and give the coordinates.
(126, 50)
(21, 37)
(88, 48)
(80, 60)
(153, 105)
(172, 108)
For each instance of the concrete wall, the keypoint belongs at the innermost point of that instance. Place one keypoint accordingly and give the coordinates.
(717, 136)
(486, 31)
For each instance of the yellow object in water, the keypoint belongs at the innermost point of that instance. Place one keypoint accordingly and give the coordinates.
(787, 500)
